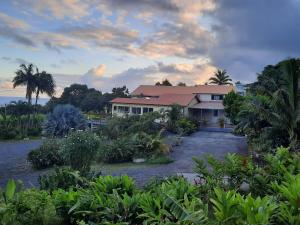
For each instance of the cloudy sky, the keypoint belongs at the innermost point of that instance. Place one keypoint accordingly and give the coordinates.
(108, 43)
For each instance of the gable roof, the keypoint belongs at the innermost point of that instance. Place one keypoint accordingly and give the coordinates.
(151, 90)
(163, 100)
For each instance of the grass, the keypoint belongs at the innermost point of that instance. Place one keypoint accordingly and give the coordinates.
(160, 159)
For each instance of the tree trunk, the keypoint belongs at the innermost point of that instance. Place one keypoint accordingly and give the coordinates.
(36, 100)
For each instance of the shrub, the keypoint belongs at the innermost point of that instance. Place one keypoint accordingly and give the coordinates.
(119, 150)
(46, 155)
(29, 207)
(79, 149)
(123, 126)
(160, 159)
(63, 119)
(185, 126)
(62, 178)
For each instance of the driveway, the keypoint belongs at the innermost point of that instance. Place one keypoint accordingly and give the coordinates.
(196, 145)
(13, 156)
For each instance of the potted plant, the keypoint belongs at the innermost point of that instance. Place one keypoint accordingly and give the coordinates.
(221, 122)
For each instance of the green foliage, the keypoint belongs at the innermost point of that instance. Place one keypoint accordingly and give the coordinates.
(29, 207)
(232, 105)
(14, 125)
(86, 99)
(61, 178)
(63, 119)
(186, 126)
(79, 149)
(123, 126)
(160, 159)
(273, 105)
(118, 150)
(46, 155)
(220, 78)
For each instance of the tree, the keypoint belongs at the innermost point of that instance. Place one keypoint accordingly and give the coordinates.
(44, 84)
(275, 102)
(25, 77)
(165, 82)
(181, 84)
(232, 105)
(220, 78)
(120, 92)
(74, 94)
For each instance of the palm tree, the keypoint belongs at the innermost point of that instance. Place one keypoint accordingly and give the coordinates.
(220, 78)
(286, 101)
(25, 77)
(44, 83)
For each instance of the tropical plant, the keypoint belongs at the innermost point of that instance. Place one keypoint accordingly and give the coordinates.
(62, 178)
(25, 77)
(185, 126)
(46, 155)
(44, 83)
(232, 105)
(79, 149)
(63, 119)
(274, 105)
(220, 78)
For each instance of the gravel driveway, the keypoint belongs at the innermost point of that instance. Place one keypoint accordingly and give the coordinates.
(13, 157)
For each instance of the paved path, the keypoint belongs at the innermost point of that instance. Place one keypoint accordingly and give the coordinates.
(13, 163)
(13, 156)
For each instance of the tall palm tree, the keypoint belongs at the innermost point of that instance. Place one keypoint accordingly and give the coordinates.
(286, 101)
(220, 78)
(44, 83)
(25, 77)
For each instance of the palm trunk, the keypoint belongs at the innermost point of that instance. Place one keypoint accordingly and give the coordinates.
(36, 100)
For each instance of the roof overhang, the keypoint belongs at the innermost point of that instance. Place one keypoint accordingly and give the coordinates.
(208, 105)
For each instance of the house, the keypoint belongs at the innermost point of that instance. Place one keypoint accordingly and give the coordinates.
(202, 102)
(240, 88)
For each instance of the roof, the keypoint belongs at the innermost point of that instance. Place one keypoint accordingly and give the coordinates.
(209, 105)
(165, 100)
(151, 90)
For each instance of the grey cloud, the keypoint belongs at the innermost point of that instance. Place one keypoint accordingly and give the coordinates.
(252, 34)
(14, 35)
(15, 60)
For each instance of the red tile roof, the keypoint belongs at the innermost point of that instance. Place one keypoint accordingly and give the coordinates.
(165, 100)
(151, 90)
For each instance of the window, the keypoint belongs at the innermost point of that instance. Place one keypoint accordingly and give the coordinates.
(115, 108)
(216, 113)
(216, 97)
(123, 109)
(146, 110)
(136, 110)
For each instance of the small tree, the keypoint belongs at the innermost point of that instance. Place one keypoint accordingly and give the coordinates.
(173, 115)
(232, 105)
(62, 119)
(79, 149)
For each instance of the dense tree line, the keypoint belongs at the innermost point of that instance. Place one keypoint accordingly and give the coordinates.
(87, 99)
(270, 112)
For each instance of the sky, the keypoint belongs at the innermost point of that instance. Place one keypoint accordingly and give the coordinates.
(111, 43)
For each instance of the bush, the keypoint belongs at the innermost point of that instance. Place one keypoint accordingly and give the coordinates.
(119, 150)
(123, 126)
(160, 159)
(62, 178)
(46, 155)
(79, 149)
(63, 119)
(185, 126)
(29, 207)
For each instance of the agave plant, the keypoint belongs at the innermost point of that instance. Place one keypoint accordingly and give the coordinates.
(63, 119)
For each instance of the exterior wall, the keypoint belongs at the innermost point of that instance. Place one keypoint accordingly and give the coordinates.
(155, 108)
(206, 97)
(207, 115)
